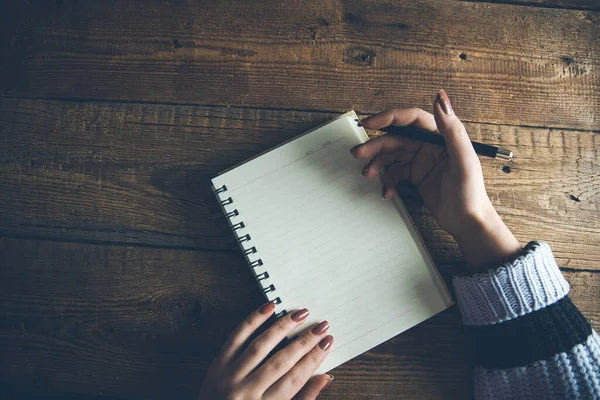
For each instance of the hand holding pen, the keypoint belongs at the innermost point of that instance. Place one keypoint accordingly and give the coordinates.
(449, 178)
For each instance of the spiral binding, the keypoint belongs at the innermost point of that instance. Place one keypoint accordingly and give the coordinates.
(241, 239)
(232, 214)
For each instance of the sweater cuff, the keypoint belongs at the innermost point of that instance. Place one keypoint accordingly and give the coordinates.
(530, 282)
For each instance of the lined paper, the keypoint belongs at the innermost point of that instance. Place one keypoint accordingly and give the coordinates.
(330, 244)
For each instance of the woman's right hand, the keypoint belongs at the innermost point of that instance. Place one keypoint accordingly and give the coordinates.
(449, 179)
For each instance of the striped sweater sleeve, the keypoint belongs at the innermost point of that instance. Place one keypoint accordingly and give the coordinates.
(530, 340)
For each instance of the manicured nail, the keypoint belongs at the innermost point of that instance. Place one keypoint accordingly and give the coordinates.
(384, 191)
(299, 315)
(326, 342)
(320, 329)
(353, 150)
(444, 101)
(267, 308)
(328, 381)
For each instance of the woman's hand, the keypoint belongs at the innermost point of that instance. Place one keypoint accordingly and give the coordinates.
(237, 373)
(449, 179)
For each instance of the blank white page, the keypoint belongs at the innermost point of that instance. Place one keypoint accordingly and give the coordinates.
(329, 243)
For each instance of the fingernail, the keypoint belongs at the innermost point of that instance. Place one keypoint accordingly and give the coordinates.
(365, 170)
(326, 342)
(444, 101)
(384, 191)
(299, 315)
(267, 308)
(320, 329)
(353, 150)
(328, 381)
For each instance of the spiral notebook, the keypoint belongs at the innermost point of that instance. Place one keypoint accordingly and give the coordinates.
(316, 234)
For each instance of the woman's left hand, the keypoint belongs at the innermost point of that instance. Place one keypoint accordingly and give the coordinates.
(238, 374)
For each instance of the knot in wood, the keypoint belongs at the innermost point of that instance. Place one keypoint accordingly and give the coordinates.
(360, 56)
(180, 310)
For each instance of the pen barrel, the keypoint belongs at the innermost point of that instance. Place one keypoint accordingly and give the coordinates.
(435, 138)
(485, 149)
(415, 134)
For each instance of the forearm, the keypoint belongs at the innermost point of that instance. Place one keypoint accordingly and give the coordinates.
(530, 340)
(486, 241)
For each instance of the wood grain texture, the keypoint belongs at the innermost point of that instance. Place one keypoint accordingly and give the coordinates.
(145, 323)
(565, 4)
(119, 277)
(139, 174)
(499, 63)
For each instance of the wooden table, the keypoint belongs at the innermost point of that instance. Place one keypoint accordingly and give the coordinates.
(119, 279)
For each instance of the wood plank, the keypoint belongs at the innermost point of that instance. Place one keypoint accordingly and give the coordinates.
(499, 63)
(591, 5)
(125, 322)
(139, 174)
(146, 323)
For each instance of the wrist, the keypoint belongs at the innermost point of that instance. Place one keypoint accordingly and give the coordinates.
(486, 241)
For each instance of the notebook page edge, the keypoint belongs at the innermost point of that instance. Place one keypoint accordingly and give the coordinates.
(347, 114)
(436, 277)
(340, 360)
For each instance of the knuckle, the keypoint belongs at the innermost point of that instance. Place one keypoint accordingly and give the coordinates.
(280, 363)
(248, 322)
(282, 325)
(314, 359)
(457, 127)
(226, 390)
(256, 347)
(236, 395)
(228, 384)
(296, 380)
(302, 342)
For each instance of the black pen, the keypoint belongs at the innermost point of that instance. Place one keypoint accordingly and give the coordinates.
(431, 137)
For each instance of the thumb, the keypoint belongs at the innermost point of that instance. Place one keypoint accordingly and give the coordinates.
(457, 140)
(314, 387)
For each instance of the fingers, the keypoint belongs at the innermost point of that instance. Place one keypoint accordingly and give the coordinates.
(457, 140)
(314, 387)
(410, 116)
(241, 334)
(260, 347)
(285, 359)
(388, 143)
(381, 160)
(384, 143)
(296, 378)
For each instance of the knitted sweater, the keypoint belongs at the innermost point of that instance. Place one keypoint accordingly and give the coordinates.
(530, 341)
